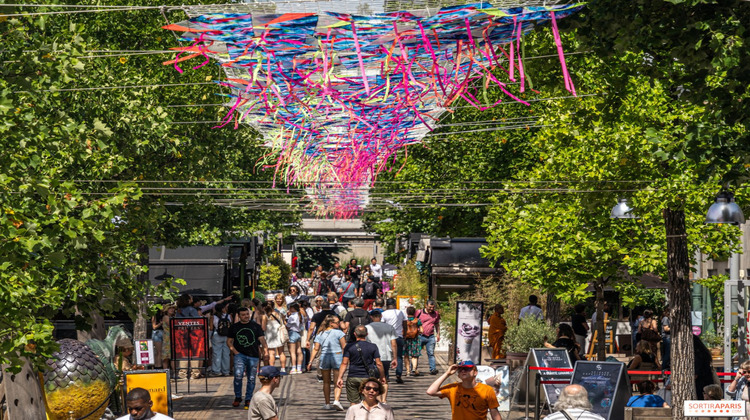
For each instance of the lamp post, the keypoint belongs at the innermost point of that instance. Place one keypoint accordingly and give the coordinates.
(725, 210)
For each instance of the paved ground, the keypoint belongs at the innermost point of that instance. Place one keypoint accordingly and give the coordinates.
(300, 397)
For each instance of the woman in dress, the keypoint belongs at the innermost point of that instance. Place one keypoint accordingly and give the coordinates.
(566, 339)
(305, 314)
(412, 348)
(330, 344)
(275, 337)
(166, 348)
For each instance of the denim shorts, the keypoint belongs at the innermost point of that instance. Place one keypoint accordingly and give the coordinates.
(294, 337)
(157, 335)
(331, 360)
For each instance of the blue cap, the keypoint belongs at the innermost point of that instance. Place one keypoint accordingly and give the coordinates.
(467, 364)
(270, 372)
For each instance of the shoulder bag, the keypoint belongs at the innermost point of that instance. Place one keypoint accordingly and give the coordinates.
(369, 367)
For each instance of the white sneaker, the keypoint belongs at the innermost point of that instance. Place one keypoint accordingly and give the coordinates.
(176, 397)
(283, 370)
(327, 407)
(337, 405)
(293, 371)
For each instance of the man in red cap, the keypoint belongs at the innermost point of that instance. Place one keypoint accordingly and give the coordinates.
(469, 399)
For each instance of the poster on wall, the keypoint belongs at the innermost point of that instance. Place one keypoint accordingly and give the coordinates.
(467, 341)
(189, 338)
(144, 352)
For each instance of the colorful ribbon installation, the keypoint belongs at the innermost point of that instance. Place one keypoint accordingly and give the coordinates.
(336, 95)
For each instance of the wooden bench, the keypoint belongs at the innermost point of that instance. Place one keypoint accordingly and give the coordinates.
(648, 413)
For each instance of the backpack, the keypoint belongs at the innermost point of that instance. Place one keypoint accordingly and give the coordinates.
(224, 325)
(357, 320)
(412, 328)
(370, 289)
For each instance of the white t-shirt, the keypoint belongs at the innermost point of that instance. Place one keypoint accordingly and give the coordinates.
(376, 270)
(575, 413)
(158, 416)
(531, 310)
(381, 334)
(395, 318)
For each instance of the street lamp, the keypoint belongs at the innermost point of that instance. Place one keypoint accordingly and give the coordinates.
(725, 210)
(622, 210)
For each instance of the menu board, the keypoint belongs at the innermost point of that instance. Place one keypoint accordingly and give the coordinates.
(607, 386)
(552, 358)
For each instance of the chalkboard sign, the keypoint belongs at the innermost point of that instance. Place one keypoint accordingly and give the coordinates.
(607, 385)
(553, 358)
(544, 357)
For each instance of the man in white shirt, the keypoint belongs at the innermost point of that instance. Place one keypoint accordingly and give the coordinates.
(532, 309)
(396, 319)
(573, 401)
(139, 405)
(376, 270)
(384, 336)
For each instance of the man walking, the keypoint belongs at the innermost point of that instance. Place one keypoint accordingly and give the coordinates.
(469, 399)
(263, 406)
(430, 332)
(396, 319)
(363, 360)
(531, 310)
(355, 317)
(376, 270)
(369, 291)
(247, 343)
(384, 336)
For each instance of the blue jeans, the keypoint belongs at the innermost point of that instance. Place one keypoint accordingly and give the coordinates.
(400, 355)
(219, 355)
(245, 365)
(429, 344)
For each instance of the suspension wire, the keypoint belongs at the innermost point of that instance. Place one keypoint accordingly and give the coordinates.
(510, 181)
(69, 12)
(115, 87)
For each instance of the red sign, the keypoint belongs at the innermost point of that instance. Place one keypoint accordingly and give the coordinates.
(189, 338)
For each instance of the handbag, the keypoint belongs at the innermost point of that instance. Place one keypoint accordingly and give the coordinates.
(283, 332)
(373, 372)
(650, 335)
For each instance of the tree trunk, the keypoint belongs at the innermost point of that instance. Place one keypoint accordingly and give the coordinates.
(98, 330)
(140, 325)
(678, 267)
(23, 394)
(553, 309)
(601, 354)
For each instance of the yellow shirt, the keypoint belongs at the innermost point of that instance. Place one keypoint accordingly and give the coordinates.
(469, 403)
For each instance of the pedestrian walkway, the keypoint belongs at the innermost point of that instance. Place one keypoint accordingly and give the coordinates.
(300, 397)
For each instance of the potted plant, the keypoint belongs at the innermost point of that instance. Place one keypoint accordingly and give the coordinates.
(714, 342)
(530, 333)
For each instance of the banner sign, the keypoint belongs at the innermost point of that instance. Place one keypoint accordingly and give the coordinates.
(719, 408)
(467, 341)
(156, 382)
(189, 338)
(144, 352)
(607, 384)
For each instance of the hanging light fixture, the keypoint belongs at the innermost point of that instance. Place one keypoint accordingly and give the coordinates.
(725, 210)
(622, 210)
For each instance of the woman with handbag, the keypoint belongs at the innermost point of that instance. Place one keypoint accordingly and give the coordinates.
(276, 336)
(648, 330)
(330, 344)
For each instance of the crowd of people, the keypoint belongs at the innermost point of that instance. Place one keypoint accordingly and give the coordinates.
(340, 325)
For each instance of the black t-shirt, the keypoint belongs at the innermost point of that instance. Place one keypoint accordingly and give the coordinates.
(370, 289)
(247, 338)
(320, 317)
(359, 316)
(356, 365)
(578, 320)
(353, 272)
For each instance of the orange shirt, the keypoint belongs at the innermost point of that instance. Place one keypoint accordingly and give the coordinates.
(469, 403)
(497, 328)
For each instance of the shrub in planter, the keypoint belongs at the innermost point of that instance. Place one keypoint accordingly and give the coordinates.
(530, 333)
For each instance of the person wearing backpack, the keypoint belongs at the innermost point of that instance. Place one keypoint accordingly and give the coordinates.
(369, 291)
(220, 352)
(357, 317)
(412, 346)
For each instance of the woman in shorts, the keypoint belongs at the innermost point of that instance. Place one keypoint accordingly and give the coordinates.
(330, 344)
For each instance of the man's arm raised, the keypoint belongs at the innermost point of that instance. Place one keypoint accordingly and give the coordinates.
(434, 389)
